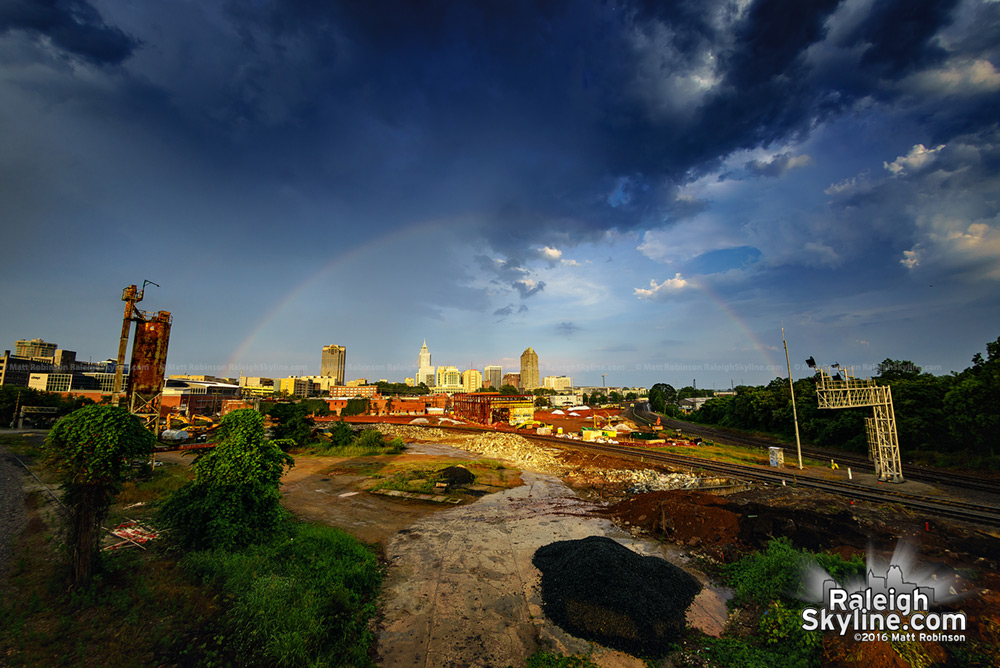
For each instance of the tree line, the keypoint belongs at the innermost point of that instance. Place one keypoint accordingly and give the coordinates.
(938, 418)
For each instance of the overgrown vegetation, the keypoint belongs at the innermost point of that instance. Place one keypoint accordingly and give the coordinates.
(234, 500)
(295, 595)
(302, 599)
(292, 422)
(936, 416)
(767, 583)
(345, 442)
(90, 451)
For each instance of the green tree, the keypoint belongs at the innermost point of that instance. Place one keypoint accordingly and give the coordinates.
(508, 389)
(316, 407)
(971, 404)
(292, 422)
(355, 406)
(541, 402)
(234, 500)
(13, 397)
(891, 369)
(90, 451)
(340, 434)
(660, 396)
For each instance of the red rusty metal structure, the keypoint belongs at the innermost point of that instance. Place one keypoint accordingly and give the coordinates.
(490, 407)
(149, 358)
(147, 370)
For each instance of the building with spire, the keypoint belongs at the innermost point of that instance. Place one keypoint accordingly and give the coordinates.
(425, 371)
(529, 370)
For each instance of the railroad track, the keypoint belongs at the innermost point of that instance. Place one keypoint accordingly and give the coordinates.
(855, 461)
(948, 508)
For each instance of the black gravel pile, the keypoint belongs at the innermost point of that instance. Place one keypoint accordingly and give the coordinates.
(599, 590)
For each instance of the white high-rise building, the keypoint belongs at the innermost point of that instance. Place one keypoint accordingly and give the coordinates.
(425, 372)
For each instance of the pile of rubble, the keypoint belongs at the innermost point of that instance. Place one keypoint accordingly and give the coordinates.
(516, 449)
(524, 454)
(415, 433)
(640, 480)
(512, 448)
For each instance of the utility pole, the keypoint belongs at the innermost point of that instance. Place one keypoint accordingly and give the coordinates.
(791, 389)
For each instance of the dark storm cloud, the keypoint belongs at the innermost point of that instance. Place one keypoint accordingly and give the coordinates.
(898, 35)
(553, 122)
(73, 26)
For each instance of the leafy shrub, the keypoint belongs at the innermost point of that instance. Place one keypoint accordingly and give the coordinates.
(776, 572)
(340, 434)
(734, 653)
(234, 500)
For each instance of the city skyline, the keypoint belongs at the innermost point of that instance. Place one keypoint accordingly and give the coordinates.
(642, 192)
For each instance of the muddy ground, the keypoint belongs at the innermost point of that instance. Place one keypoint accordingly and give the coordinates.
(460, 588)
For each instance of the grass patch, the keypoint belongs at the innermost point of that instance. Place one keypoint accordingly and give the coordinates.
(163, 480)
(420, 478)
(302, 600)
(23, 445)
(138, 610)
(734, 454)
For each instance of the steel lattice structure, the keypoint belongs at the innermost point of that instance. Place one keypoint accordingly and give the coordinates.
(843, 390)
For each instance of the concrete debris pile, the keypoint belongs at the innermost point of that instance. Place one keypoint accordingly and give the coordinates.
(512, 448)
(641, 480)
(414, 433)
(599, 590)
(515, 449)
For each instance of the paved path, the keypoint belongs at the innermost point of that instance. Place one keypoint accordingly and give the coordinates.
(462, 591)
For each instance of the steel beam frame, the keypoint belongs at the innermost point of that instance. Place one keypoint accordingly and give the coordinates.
(850, 392)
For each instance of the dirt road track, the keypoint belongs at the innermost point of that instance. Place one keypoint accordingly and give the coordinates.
(12, 515)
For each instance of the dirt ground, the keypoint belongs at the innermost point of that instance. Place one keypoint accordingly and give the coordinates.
(696, 524)
(332, 490)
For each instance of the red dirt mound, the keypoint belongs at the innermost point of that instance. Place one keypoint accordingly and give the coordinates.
(692, 518)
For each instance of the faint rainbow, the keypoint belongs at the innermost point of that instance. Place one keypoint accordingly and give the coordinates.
(737, 320)
(294, 293)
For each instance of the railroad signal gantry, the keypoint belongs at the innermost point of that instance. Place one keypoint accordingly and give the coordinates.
(843, 390)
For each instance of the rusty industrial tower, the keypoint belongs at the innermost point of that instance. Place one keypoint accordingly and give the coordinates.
(147, 368)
